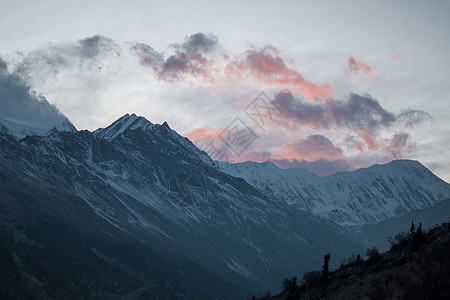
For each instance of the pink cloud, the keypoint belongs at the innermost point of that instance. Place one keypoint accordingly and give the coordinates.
(202, 135)
(266, 66)
(357, 66)
(313, 147)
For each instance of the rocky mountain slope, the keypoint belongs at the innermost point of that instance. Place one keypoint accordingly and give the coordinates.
(141, 201)
(136, 210)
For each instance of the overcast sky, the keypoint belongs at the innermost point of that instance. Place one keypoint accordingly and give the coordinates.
(348, 83)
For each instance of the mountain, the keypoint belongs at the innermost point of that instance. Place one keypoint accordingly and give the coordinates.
(364, 196)
(20, 130)
(379, 234)
(136, 210)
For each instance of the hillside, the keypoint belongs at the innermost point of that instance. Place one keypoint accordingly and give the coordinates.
(412, 269)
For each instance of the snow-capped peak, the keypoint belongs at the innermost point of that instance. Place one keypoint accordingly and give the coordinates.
(125, 122)
(20, 130)
(364, 196)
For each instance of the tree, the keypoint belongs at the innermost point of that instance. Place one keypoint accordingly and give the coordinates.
(373, 254)
(290, 285)
(358, 259)
(325, 269)
(412, 229)
(419, 237)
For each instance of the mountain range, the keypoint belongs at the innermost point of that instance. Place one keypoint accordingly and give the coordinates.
(136, 210)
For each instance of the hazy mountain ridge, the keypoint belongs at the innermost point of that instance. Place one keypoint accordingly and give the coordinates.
(364, 196)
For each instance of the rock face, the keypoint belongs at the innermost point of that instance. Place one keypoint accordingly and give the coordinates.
(365, 196)
(152, 213)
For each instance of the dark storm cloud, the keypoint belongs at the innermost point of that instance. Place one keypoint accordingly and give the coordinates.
(18, 104)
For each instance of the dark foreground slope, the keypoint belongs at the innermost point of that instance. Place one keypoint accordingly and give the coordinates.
(412, 269)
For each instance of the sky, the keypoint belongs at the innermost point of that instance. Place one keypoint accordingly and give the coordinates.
(324, 85)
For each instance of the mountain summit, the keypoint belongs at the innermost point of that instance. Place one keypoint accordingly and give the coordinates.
(136, 210)
(364, 196)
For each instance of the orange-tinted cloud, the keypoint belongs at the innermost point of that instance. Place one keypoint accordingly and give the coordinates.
(266, 66)
(202, 135)
(357, 66)
(197, 59)
(313, 147)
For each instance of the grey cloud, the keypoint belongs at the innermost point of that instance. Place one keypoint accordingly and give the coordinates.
(91, 47)
(199, 42)
(18, 104)
(189, 57)
(303, 113)
(357, 113)
(85, 53)
(148, 56)
(411, 117)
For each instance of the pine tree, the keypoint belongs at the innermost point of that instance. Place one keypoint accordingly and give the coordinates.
(325, 269)
(412, 229)
(419, 238)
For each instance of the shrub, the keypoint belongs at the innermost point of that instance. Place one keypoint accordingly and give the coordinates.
(290, 284)
(311, 278)
(373, 254)
(399, 239)
(419, 237)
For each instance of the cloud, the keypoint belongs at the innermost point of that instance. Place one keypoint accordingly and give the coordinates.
(266, 66)
(357, 66)
(95, 46)
(95, 74)
(89, 54)
(19, 105)
(300, 112)
(398, 144)
(362, 115)
(148, 56)
(313, 147)
(359, 112)
(202, 136)
(189, 58)
(412, 117)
